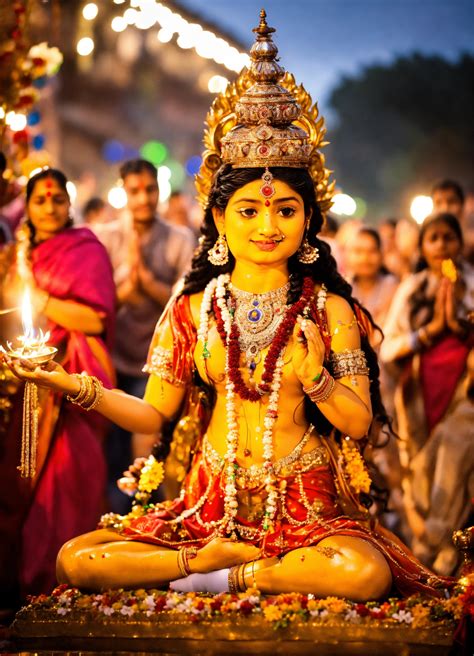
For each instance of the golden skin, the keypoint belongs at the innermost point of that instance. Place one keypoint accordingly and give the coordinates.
(358, 570)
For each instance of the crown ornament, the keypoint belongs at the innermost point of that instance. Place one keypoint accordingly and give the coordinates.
(264, 119)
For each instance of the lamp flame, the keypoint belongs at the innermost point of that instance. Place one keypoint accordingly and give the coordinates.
(26, 315)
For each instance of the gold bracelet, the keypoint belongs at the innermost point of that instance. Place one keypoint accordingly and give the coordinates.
(79, 395)
(242, 584)
(90, 392)
(181, 565)
(232, 579)
(184, 554)
(98, 393)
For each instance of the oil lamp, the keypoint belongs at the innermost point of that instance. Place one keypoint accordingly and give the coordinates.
(32, 348)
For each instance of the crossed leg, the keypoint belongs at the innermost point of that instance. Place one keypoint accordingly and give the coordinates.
(342, 566)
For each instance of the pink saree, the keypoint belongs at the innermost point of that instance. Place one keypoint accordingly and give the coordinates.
(66, 496)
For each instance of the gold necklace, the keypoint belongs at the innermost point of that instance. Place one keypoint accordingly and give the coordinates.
(258, 317)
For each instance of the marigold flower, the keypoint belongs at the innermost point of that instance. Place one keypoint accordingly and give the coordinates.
(272, 613)
(359, 478)
(151, 475)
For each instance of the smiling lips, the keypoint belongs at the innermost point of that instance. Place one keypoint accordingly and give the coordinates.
(267, 245)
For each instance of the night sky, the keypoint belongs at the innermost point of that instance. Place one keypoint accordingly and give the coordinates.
(321, 40)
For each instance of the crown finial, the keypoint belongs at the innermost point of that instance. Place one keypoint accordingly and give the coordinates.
(263, 30)
(264, 66)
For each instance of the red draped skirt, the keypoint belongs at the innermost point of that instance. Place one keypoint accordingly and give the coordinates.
(308, 513)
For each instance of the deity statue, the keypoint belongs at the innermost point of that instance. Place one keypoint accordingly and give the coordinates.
(268, 355)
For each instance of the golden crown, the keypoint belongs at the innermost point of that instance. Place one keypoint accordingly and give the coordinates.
(264, 119)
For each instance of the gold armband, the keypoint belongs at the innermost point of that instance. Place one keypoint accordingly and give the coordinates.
(161, 365)
(349, 363)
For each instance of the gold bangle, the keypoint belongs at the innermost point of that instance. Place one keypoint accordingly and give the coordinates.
(242, 584)
(184, 554)
(181, 565)
(90, 392)
(231, 578)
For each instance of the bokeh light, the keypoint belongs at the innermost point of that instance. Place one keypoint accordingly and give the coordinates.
(155, 152)
(38, 142)
(119, 24)
(164, 35)
(15, 122)
(113, 151)
(90, 11)
(71, 190)
(117, 197)
(420, 208)
(193, 164)
(164, 184)
(34, 118)
(343, 205)
(85, 46)
(217, 84)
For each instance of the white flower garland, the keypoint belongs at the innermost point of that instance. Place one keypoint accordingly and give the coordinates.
(219, 288)
(321, 298)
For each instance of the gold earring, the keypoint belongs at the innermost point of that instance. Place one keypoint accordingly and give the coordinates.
(307, 254)
(218, 255)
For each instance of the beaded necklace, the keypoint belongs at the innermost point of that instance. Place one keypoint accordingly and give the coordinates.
(215, 296)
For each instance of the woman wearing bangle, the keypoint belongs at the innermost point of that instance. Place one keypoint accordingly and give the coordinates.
(428, 337)
(70, 280)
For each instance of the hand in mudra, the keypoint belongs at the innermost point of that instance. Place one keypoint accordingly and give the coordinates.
(309, 351)
(50, 375)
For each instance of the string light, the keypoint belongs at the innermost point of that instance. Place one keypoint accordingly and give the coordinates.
(144, 14)
(217, 84)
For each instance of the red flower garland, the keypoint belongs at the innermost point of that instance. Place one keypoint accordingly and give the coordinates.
(278, 344)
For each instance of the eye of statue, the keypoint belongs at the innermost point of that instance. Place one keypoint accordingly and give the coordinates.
(287, 212)
(248, 212)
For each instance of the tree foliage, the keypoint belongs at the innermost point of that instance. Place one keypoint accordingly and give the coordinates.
(401, 127)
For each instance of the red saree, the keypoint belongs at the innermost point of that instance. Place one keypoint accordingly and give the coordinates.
(316, 501)
(441, 368)
(66, 496)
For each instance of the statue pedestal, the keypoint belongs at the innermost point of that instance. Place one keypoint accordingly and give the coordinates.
(117, 621)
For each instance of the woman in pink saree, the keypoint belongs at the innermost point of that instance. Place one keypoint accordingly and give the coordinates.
(70, 279)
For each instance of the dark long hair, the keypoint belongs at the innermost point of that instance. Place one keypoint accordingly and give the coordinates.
(324, 270)
(419, 303)
(44, 174)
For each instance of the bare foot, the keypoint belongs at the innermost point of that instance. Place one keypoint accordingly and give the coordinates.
(220, 553)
